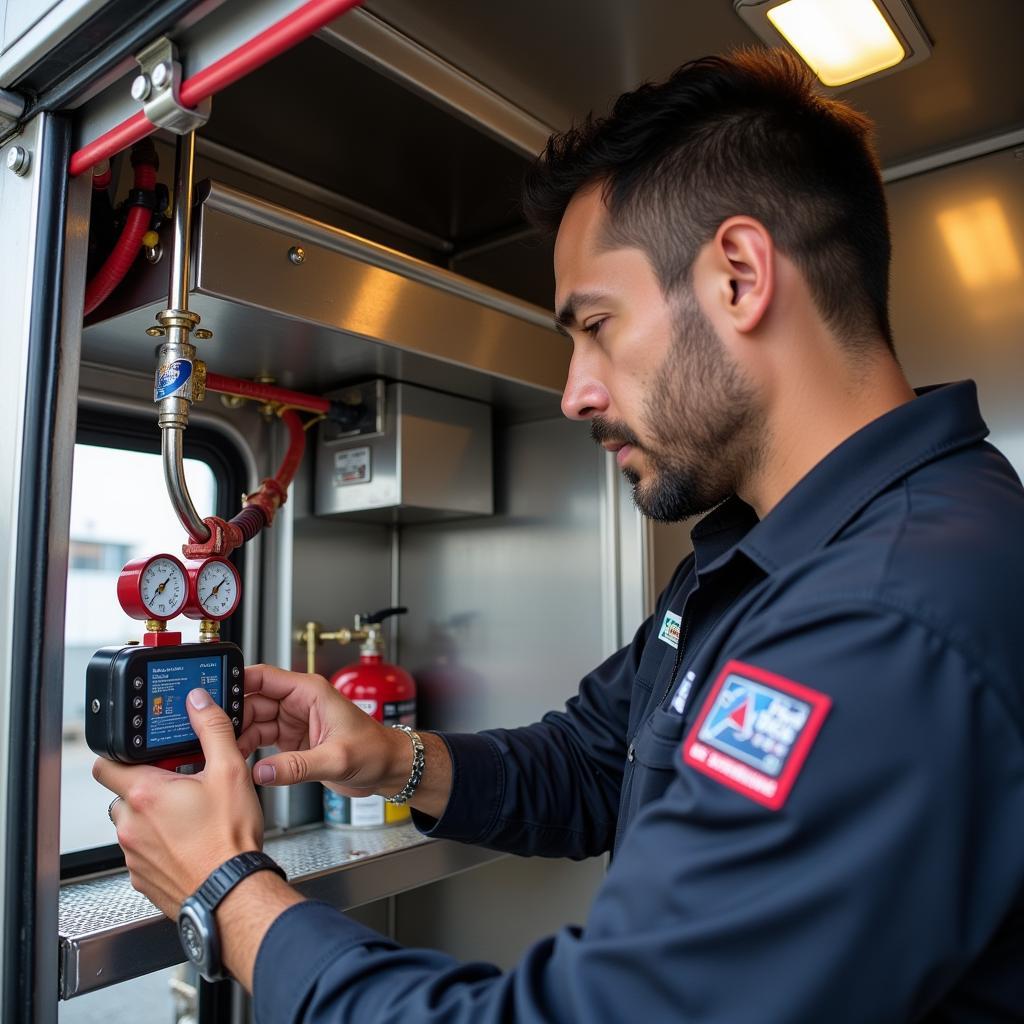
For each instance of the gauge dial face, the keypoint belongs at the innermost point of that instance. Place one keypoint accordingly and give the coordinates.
(163, 588)
(217, 589)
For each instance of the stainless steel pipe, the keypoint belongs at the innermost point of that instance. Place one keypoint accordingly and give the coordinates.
(172, 447)
(181, 255)
(177, 353)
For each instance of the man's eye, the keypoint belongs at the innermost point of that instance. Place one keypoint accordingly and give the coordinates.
(593, 328)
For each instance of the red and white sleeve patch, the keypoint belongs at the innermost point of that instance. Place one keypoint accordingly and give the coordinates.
(755, 731)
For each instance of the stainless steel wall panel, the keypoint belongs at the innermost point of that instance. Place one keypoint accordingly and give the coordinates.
(967, 219)
(505, 614)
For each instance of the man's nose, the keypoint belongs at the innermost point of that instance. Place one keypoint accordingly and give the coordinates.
(584, 396)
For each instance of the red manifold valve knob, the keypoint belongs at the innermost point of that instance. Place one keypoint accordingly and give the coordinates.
(214, 589)
(153, 588)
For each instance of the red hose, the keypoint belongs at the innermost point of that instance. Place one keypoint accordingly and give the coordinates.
(266, 393)
(119, 262)
(296, 446)
(271, 42)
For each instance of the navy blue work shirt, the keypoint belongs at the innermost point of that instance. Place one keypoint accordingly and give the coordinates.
(809, 763)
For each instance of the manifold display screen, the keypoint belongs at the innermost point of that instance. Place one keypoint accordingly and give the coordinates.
(169, 684)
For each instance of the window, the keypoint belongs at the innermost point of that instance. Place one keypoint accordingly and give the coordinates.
(105, 534)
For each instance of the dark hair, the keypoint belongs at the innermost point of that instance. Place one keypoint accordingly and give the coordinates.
(742, 134)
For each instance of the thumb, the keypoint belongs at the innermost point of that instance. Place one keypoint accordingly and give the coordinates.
(285, 769)
(213, 727)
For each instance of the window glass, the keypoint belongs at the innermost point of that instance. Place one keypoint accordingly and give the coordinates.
(119, 511)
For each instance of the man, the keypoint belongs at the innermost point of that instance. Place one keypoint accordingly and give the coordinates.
(810, 761)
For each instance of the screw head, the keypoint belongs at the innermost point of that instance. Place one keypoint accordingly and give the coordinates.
(18, 160)
(141, 88)
(155, 332)
(161, 75)
(202, 334)
(297, 254)
(95, 705)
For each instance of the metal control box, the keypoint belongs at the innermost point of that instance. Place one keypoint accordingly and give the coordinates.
(424, 456)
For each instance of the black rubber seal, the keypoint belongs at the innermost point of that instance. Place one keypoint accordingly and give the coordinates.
(142, 197)
(119, 30)
(21, 998)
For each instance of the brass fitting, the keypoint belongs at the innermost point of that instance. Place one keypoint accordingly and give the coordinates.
(209, 631)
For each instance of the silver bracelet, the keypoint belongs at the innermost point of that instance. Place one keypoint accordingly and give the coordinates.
(419, 760)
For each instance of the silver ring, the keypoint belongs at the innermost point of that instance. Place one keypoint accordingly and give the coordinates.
(110, 811)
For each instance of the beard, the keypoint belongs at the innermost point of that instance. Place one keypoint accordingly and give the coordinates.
(702, 419)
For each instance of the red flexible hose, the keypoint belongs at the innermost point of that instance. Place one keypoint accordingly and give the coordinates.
(296, 446)
(119, 262)
(271, 42)
(266, 393)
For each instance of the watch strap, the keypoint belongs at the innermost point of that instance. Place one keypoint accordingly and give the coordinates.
(230, 873)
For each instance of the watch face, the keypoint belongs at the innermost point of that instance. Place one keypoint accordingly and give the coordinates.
(191, 940)
(198, 938)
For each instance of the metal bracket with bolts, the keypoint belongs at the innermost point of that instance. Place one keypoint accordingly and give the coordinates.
(157, 87)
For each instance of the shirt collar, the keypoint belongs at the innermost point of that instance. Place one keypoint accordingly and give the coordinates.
(941, 419)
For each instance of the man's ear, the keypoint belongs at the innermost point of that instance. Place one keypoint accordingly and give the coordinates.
(742, 258)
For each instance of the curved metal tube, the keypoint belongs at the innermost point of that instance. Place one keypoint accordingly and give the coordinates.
(172, 446)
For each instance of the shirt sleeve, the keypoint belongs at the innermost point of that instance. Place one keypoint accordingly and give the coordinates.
(864, 896)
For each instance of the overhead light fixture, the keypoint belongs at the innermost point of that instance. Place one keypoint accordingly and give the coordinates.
(842, 41)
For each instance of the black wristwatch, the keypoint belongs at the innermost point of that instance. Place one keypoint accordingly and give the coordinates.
(197, 927)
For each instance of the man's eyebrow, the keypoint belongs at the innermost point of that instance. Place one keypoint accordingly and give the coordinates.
(566, 317)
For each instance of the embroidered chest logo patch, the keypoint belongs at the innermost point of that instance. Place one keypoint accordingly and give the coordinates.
(755, 731)
(669, 632)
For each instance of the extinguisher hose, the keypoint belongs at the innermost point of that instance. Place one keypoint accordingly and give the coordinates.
(123, 255)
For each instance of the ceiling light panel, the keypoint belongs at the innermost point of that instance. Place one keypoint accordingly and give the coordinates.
(845, 42)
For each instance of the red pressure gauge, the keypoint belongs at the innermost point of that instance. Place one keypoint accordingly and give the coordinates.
(153, 588)
(214, 589)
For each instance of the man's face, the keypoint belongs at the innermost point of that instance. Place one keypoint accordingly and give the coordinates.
(650, 373)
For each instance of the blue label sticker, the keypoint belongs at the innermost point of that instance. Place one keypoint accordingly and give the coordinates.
(669, 632)
(172, 379)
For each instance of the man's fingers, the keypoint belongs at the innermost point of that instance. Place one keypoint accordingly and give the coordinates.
(293, 766)
(213, 727)
(276, 683)
(259, 734)
(119, 778)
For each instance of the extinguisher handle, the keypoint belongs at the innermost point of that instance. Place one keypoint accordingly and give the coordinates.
(384, 613)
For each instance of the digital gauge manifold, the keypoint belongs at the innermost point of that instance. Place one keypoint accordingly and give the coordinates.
(156, 587)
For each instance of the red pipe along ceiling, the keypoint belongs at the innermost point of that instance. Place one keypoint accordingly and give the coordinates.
(271, 42)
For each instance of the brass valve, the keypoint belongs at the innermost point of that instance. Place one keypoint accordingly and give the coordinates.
(366, 630)
(313, 635)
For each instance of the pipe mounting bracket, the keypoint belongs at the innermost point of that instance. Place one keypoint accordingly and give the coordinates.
(157, 87)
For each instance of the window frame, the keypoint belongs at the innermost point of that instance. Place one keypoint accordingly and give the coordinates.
(132, 432)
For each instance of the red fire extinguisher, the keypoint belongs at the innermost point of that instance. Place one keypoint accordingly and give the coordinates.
(385, 692)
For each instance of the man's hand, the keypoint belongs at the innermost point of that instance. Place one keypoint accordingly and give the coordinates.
(323, 736)
(176, 829)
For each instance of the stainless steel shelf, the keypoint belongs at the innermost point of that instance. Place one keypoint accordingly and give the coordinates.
(109, 933)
